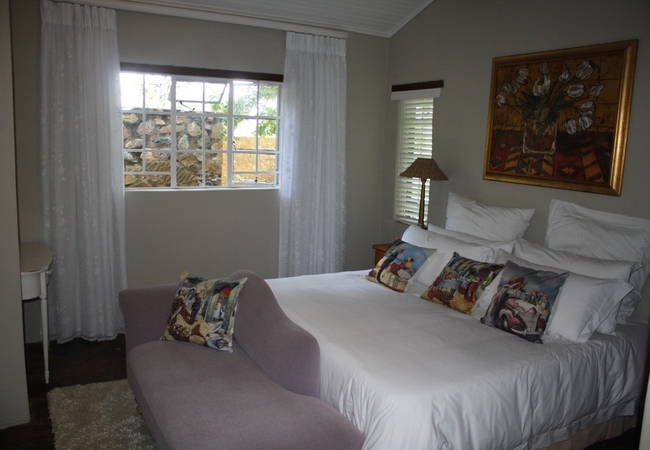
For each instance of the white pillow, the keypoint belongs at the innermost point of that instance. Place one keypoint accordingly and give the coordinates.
(585, 304)
(497, 223)
(583, 265)
(445, 246)
(600, 235)
(505, 245)
(425, 238)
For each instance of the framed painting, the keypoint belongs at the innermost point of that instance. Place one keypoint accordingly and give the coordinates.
(560, 118)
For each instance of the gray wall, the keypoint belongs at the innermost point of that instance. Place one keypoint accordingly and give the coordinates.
(455, 41)
(211, 233)
(215, 233)
(14, 407)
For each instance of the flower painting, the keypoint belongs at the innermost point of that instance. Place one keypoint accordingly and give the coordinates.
(560, 118)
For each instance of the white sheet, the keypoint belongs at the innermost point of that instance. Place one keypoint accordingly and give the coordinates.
(412, 374)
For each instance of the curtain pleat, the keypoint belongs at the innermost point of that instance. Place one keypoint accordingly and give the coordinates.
(312, 156)
(81, 162)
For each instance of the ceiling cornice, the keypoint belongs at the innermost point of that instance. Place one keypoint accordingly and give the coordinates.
(202, 14)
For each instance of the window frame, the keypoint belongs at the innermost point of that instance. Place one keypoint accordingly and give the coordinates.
(415, 102)
(210, 76)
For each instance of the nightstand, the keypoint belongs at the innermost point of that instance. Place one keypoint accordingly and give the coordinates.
(380, 250)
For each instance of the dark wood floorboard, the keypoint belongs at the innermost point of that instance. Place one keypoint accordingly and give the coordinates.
(83, 362)
(75, 362)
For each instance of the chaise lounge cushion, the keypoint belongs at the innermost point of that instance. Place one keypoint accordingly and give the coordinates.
(220, 401)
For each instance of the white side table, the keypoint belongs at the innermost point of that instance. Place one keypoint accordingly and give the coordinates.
(35, 262)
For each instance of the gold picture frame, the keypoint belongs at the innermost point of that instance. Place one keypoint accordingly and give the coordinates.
(560, 118)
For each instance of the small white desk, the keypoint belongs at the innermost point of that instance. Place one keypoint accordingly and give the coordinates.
(35, 262)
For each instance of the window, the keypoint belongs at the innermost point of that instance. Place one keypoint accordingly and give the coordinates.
(414, 140)
(184, 131)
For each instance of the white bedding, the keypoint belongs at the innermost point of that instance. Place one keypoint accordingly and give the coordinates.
(412, 374)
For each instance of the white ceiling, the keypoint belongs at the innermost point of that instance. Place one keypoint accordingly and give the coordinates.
(374, 17)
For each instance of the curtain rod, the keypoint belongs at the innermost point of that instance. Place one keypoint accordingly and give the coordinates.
(190, 13)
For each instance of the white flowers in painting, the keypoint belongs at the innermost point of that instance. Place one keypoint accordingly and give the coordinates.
(544, 99)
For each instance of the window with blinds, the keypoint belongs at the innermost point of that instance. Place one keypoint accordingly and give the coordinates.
(414, 140)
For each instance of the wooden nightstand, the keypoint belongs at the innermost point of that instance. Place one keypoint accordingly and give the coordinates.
(380, 250)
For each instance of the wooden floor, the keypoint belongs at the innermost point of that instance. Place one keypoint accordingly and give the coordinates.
(82, 362)
(75, 362)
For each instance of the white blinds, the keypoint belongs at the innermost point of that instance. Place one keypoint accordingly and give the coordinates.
(414, 140)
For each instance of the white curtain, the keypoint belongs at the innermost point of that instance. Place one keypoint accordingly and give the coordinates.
(83, 193)
(312, 181)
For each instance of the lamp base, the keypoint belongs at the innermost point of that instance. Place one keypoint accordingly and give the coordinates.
(421, 213)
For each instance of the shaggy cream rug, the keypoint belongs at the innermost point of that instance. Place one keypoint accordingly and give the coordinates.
(97, 416)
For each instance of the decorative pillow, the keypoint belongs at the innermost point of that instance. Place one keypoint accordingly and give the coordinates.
(584, 265)
(524, 301)
(585, 304)
(203, 312)
(461, 283)
(601, 235)
(497, 223)
(445, 247)
(399, 265)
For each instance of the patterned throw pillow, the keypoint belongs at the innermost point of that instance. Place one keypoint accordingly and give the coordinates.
(399, 264)
(203, 312)
(524, 301)
(461, 283)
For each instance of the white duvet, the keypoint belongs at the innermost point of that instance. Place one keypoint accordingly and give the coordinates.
(412, 374)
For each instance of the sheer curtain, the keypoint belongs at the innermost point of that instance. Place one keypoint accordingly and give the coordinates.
(312, 156)
(83, 193)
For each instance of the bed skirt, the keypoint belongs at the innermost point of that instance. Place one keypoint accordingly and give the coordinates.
(588, 436)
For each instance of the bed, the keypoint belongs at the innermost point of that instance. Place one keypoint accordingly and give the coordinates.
(414, 374)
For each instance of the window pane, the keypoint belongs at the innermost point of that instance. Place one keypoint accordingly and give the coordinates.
(132, 161)
(131, 86)
(147, 181)
(189, 169)
(216, 133)
(266, 163)
(156, 162)
(244, 162)
(189, 132)
(217, 94)
(130, 125)
(215, 169)
(157, 92)
(189, 107)
(245, 134)
(245, 98)
(160, 137)
(268, 100)
(189, 90)
(267, 130)
(155, 131)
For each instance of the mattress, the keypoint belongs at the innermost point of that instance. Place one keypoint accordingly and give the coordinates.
(411, 374)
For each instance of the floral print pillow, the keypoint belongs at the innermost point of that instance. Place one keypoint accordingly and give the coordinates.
(399, 264)
(203, 312)
(524, 301)
(461, 283)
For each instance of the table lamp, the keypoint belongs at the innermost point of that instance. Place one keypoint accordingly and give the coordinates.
(424, 169)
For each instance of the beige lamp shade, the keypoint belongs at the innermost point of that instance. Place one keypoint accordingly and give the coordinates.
(424, 169)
